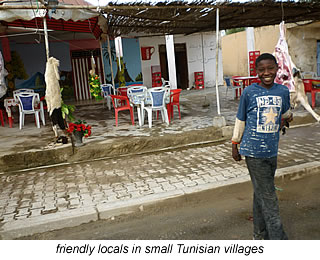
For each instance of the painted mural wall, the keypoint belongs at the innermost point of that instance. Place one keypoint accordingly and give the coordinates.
(33, 57)
(131, 57)
(201, 52)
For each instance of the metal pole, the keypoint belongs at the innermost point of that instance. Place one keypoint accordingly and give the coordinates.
(46, 36)
(217, 59)
(111, 69)
(103, 71)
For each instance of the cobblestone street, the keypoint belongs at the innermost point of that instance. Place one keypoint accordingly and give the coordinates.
(53, 191)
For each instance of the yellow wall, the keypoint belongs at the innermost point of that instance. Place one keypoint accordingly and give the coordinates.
(234, 54)
(302, 43)
(266, 38)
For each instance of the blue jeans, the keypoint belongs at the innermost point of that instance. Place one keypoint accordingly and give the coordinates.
(266, 217)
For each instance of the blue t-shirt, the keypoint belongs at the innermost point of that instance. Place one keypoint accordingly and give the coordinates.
(262, 109)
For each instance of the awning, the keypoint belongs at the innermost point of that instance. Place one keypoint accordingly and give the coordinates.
(73, 20)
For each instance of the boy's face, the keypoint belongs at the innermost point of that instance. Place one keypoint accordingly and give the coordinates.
(267, 71)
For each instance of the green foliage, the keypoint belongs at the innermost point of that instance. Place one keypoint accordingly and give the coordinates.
(120, 73)
(139, 77)
(235, 30)
(67, 110)
(67, 85)
(16, 70)
(95, 88)
(67, 92)
(106, 54)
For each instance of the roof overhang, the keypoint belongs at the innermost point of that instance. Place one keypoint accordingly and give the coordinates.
(185, 17)
(62, 19)
(178, 17)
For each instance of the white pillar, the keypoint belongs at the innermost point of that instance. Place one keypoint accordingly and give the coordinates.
(218, 121)
(110, 62)
(102, 60)
(171, 61)
(45, 28)
(217, 61)
(250, 43)
(118, 46)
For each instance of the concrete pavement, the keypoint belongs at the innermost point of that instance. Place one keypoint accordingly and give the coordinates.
(49, 198)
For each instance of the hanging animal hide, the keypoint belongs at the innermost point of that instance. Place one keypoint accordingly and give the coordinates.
(52, 77)
(289, 75)
(3, 74)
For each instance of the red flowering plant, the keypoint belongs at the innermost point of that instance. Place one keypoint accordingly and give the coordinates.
(80, 126)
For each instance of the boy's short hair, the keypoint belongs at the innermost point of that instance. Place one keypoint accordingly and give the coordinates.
(266, 56)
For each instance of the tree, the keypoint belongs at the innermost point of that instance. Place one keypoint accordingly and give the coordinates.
(235, 30)
(16, 70)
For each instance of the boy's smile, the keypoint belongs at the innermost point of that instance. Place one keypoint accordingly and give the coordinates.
(267, 71)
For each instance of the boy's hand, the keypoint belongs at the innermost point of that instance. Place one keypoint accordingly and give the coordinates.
(235, 153)
(285, 123)
(290, 118)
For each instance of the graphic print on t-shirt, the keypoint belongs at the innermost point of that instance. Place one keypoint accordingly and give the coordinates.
(269, 108)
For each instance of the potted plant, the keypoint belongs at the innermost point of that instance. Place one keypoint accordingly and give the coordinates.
(79, 129)
(94, 83)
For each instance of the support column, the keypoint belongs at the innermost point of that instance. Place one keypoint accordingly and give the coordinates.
(217, 60)
(171, 61)
(46, 36)
(111, 68)
(250, 44)
(218, 121)
(102, 60)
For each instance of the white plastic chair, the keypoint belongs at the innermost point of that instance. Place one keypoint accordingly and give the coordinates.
(157, 96)
(107, 90)
(137, 95)
(21, 90)
(309, 75)
(165, 82)
(28, 90)
(27, 103)
(232, 86)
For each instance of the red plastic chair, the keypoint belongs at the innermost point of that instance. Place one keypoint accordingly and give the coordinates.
(309, 87)
(121, 103)
(174, 101)
(123, 91)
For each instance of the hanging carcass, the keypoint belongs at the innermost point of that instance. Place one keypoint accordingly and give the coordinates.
(289, 75)
(53, 98)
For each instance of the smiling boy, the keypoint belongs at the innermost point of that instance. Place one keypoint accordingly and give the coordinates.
(262, 109)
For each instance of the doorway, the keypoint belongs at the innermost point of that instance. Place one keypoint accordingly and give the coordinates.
(81, 65)
(180, 51)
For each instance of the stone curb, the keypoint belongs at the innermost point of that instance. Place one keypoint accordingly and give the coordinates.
(101, 149)
(50, 222)
(72, 218)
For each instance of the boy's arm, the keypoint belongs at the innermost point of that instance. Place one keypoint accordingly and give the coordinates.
(236, 138)
(239, 126)
(288, 116)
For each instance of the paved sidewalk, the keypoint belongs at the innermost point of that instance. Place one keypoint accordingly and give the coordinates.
(139, 168)
(64, 196)
(33, 147)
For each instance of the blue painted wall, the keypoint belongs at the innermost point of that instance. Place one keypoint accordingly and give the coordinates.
(33, 56)
(131, 57)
